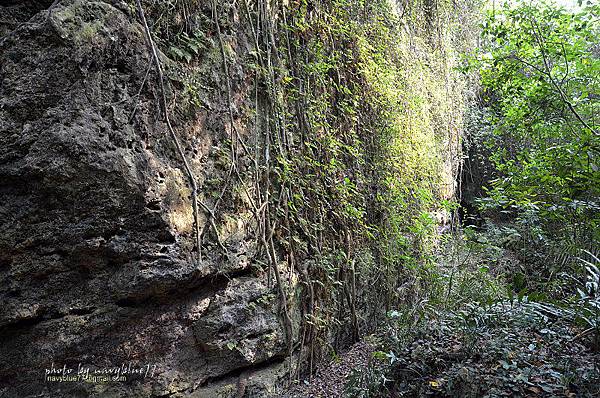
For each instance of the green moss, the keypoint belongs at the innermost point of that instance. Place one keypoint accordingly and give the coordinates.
(88, 31)
(383, 101)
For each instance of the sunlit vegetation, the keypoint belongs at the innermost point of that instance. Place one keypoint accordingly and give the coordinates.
(540, 76)
(519, 309)
(347, 155)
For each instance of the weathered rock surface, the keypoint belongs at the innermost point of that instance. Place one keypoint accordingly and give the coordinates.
(96, 260)
(98, 264)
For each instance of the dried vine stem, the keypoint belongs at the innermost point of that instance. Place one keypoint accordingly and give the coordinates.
(262, 209)
(235, 135)
(51, 8)
(238, 139)
(280, 141)
(165, 108)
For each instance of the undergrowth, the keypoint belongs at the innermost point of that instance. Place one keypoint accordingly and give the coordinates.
(487, 335)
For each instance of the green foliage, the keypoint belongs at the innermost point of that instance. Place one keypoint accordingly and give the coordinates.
(584, 308)
(489, 338)
(539, 70)
(359, 112)
(348, 143)
(503, 349)
(512, 310)
(189, 46)
(377, 141)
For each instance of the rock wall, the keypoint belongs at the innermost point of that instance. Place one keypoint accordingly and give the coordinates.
(96, 262)
(98, 267)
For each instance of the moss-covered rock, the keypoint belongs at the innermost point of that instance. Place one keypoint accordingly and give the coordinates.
(321, 135)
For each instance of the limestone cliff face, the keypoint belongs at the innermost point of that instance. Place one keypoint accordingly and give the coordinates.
(98, 266)
(96, 259)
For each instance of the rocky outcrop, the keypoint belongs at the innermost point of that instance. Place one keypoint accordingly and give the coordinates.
(97, 265)
(318, 147)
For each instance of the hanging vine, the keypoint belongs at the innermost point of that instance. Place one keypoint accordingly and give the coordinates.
(165, 110)
(340, 161)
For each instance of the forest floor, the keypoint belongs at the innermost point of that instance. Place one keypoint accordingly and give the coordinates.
(505, 350)
(519, 350)
(480, 342)
(330, 378)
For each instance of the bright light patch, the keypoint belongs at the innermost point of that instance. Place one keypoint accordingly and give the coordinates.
(569, 4)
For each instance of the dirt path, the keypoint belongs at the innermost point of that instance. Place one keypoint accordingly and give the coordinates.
(330, 378)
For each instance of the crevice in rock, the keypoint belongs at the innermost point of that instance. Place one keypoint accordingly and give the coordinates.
(236, 373)
(8, 331)
(208, 285)
(19, 326)
(82, 311)
(154, 205)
